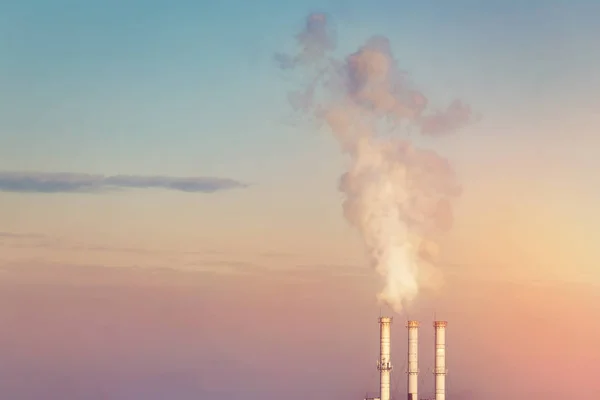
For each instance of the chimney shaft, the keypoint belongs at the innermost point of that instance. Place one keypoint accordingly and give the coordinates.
(384, 365)
(440, 359)
(413, 360)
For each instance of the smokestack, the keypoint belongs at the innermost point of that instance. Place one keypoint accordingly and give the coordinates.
(384, 365)
(413, 360)
(440, 359)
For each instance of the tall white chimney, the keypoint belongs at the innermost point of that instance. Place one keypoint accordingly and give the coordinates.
(384, 365)
(440, 359)
(413, 360)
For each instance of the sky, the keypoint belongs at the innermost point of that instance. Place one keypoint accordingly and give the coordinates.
(171, 229)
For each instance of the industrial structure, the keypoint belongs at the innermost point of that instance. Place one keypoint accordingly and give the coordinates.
(384, 364)
(440, 359)
(413, 360)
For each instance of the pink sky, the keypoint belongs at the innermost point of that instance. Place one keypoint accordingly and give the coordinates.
(202, 299)
(312, 333)
(221, 302)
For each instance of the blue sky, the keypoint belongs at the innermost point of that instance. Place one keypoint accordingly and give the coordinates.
(107, 87)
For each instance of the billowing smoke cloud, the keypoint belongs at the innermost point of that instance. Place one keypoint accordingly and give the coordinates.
(397, 195)
(42, 182)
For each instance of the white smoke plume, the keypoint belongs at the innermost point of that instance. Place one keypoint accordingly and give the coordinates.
(397, 195)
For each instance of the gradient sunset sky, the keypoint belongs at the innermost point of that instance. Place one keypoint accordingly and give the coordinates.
(222, 265)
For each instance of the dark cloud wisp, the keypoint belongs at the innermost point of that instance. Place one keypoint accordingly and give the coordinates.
(42, 182)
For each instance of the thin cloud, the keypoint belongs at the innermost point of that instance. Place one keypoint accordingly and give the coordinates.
(43, 182)
(20, 235)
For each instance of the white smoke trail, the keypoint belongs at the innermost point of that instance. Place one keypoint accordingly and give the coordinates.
(397, 195)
